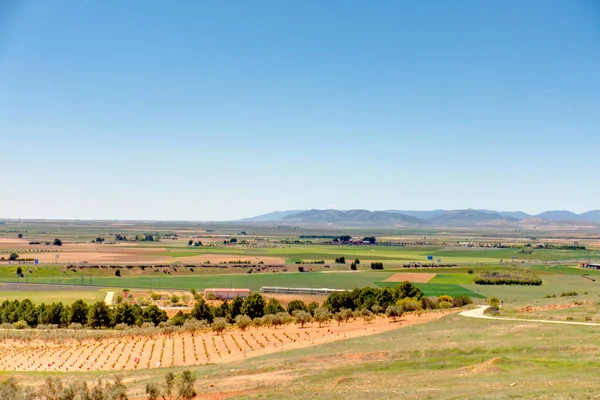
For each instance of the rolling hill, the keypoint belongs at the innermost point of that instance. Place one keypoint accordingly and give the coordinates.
(362, 217)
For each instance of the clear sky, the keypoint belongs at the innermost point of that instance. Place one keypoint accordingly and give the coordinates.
(212, 110)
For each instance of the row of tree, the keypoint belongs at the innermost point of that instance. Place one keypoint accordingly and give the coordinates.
(507, 278)
(98, 315)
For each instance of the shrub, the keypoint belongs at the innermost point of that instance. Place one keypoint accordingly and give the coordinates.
(174, 299)
(445, 297)
(568, 294)
(367, 315)
(155, 296)
(185, 298)
(75, 326)
(118, 272)
(20, 325)
(408, 304)
(257, 322)
(121, 327)
(470, 272)
(492, 310)
(119, 298)
(346, 313)
(13, 257)
(444, 305)
(186, 386)
(211, 296)
(460, 301)
(494, 302)
(430, 303)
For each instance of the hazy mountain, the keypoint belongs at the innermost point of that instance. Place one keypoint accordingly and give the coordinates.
(593, 215)
(418, 214)
(272, 216)
(471, 217)
(365, 217)
(559, 215)
(423, 217)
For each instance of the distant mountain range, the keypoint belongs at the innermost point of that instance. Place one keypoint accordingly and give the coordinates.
(468, 217)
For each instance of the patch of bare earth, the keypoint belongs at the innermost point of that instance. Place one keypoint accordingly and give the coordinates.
(183, 348)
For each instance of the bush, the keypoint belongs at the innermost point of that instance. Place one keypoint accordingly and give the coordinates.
(121, 327)
(494, 302)
(460, 301)
(444, 305)
(322, 315)
(174, 299)
(408, 304)
(445, 297)
(296, 305)
(492, 310)
(20, 325)
(155, 296)
(118, 272)
(470, 272)
(13, 256)
(568, 294)
(430, 303)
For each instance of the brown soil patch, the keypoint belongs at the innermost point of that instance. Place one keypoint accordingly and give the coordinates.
(411, 277)
(485, 367)
(285, 299)
(182, 348)
(552, 307)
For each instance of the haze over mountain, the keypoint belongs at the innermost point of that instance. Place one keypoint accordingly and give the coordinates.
(423, 217)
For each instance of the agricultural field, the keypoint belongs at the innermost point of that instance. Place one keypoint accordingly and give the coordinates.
(184, 349)
(491, 358)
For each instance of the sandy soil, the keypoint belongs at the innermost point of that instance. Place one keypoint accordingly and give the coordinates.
(183, 349)
(411, 277)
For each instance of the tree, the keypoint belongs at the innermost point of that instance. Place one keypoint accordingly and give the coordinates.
(169, 383)
(152, 391)
(302, 317)
(367, 315)
(233, 240)
(78, 313)
(190, 242)
(340, 260)
(394, 312)
(322, 315)
(376, 265)
(370, 239)
(296, 305)
(57, 242)
(126, 314)
(99, 315)
(254, 306)
(20, 236)
(273, 307)
(357, 261)
(202, 311)
(407, 289)
(470, 272)
(13, 256)
(235, 308)
(312, 306)
(346, 313)
(243, 322)
(282, 318)
(20, 271)
(353, 267)
(345, 238)
(219, 325)
(154, 314)
(186, 386)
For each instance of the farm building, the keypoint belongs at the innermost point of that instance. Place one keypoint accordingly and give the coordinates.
(226, 293)
(289, 290)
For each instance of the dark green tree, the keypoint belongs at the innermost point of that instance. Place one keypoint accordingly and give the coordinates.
(254, 306)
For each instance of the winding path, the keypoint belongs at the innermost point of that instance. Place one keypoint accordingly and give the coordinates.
(478, 313)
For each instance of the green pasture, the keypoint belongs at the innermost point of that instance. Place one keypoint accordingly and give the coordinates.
(398, 254)
(65, 296)
(333, 280)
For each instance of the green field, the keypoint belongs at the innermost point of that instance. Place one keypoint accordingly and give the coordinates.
(64, 296)
(438, 289)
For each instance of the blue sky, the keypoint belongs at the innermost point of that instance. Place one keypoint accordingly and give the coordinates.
(207, 110)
